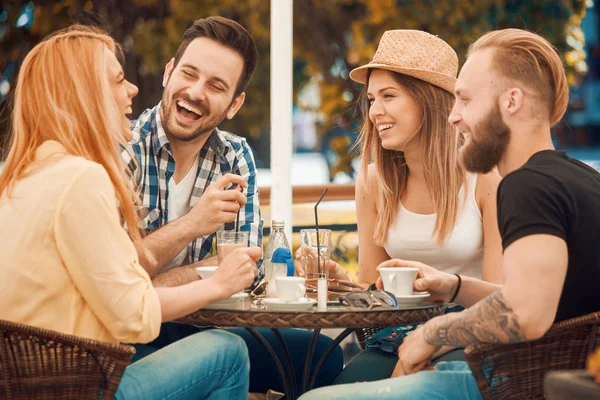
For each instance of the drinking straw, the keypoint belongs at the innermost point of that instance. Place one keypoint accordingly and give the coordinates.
(317, 233)
(237, 219)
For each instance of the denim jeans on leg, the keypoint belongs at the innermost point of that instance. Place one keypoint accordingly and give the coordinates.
(451, 380)
(373, 365)
(263, 374)
(211, 365)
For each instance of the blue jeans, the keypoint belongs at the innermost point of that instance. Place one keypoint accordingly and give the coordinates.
(263, 374)
(207, 365)
(373, 365)
(451, 380)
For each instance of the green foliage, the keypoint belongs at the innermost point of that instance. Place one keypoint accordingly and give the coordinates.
(346, 33)
(330, 38)
(150, 31)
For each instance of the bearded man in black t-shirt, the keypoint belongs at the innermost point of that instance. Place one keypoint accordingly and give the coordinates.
(510, 92)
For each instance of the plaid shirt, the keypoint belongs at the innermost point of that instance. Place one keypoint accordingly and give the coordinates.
(222, 153)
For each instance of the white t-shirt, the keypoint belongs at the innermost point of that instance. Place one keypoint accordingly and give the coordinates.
(179, 204)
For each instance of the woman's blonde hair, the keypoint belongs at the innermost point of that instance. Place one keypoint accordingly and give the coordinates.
(443, 172)
(63, 94)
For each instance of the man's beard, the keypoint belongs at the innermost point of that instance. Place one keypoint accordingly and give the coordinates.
(208, 124)
(488, 142)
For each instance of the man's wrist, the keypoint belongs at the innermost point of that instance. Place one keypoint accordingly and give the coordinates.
(189, 228)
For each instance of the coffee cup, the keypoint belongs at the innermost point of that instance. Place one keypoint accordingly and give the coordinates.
(290, 288)
(205, 272)
(398, 281)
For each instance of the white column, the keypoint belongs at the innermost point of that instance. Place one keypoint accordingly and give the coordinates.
(281, 112)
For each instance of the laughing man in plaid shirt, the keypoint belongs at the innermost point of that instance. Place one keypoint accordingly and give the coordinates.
(186, 164)
(186, 169)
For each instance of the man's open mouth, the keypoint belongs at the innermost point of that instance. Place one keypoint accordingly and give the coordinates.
(187, 110)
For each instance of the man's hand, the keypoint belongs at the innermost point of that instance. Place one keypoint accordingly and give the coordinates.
(414, 354)
(440, 285)
(237, 271)
(217, 206)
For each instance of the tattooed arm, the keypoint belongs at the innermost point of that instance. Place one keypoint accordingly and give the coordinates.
(491, 321)
(522, 310)
(534, 268)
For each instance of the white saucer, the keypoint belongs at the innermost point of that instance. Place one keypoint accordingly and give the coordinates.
(415, 298)
(227, 303)
(274, 303)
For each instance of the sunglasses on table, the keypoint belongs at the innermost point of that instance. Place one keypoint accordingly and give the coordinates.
(369, 299)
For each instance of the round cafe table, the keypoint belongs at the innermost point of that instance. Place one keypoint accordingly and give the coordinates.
(245, 314)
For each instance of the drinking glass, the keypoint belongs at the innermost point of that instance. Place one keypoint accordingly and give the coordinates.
(227, 241)
(308, 251)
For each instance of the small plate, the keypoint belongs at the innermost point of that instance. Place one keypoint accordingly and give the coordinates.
(415, 298)
(274, 303)
(227, 303)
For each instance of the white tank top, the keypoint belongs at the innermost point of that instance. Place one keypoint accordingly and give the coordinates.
(410, 237)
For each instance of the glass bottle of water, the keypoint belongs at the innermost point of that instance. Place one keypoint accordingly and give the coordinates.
(277, 239)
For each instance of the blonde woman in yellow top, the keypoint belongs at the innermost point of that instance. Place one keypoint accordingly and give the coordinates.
(67, 264)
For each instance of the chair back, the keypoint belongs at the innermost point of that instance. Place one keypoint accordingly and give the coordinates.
(41, 364)
(516, 371)
(363, 334)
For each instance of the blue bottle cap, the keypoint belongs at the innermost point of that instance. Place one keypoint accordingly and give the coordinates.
(283, 255)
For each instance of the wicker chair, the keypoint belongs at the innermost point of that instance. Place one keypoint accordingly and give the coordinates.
(41, 364)
(517, 371)
(363, 333)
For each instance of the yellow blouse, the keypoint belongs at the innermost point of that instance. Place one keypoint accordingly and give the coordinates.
(66, 264)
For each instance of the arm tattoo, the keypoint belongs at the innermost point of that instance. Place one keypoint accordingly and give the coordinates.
(489, 321)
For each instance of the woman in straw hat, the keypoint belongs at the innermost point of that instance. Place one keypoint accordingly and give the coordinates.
(414, 200)
(67, 264)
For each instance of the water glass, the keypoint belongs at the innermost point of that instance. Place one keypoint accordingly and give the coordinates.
(308, 251)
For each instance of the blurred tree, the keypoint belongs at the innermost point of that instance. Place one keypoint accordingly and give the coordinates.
(150, 32)
(334, 36)
(330, 38)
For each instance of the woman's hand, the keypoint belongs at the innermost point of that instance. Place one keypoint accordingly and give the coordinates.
(306, 260)
(440, 285)
(237, 271)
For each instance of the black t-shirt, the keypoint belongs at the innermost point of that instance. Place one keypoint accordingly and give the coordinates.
(558, 195)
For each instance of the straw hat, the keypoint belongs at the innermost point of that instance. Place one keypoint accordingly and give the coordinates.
(413, 53)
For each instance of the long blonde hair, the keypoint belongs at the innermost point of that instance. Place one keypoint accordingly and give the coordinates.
(440, 142)
(63, 94)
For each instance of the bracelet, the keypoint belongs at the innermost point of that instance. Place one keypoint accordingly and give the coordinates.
(457, 288)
